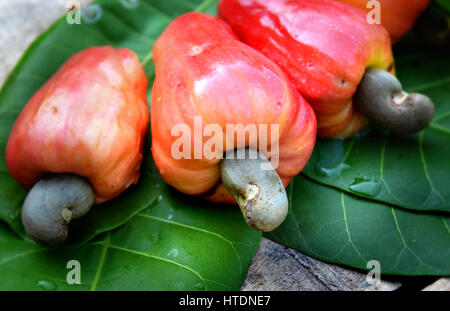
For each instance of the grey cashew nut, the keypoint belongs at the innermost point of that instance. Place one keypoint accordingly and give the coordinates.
(259, 192)
(381, 99)
(52, 203)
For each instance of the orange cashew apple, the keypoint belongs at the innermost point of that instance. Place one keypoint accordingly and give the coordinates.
(79, 139)
(342, 65)
(206, 77)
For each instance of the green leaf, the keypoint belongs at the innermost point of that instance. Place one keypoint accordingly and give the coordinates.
(120, 23)
(167, 241)
(177, 243)
(337, 227)
(444, 4)
(358, 218)
(411, 171)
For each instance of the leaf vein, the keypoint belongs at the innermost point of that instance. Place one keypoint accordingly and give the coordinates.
(300, 235)
(445, 224)
(154, 9)
(22, 255)
(348, 231)
(429, 85)
(130, 28)
(162, 259)
(383, 154)
(204, 5)
(198, 230)
(405, 245)
(101, 262)
(442, 116)
(425, 167)
(440, 128)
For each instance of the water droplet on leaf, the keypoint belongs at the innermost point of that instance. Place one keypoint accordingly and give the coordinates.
(333, 171)
(173, 253)
(130, 4)
(366, 187)
(46, 285)
(331, 158)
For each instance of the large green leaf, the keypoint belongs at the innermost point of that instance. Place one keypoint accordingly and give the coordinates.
(177, 243)
(120, 23)
(169, 241)
(412, 171)
(358, 218)
(337, 227)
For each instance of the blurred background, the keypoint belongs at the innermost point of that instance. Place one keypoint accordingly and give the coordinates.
(21, 22)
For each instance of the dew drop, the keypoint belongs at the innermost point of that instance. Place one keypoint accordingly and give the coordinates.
(146, 241)
(160, 197)
(332, 171)
(91, 14)
(46, 285)
(170, 216)
(363, 186)
(130, 4)
(331, 158)
(173, 253)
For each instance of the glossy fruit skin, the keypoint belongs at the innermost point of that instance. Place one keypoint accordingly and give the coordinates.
(89, 118)
(323, 46)
(202, 69)
(397, 16)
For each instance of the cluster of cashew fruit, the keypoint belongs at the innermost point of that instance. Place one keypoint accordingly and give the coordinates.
(290, 63)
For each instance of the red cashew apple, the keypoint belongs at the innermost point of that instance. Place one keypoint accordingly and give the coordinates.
(204, 71)
(88, 120)
(397, 16)
(342, 65)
